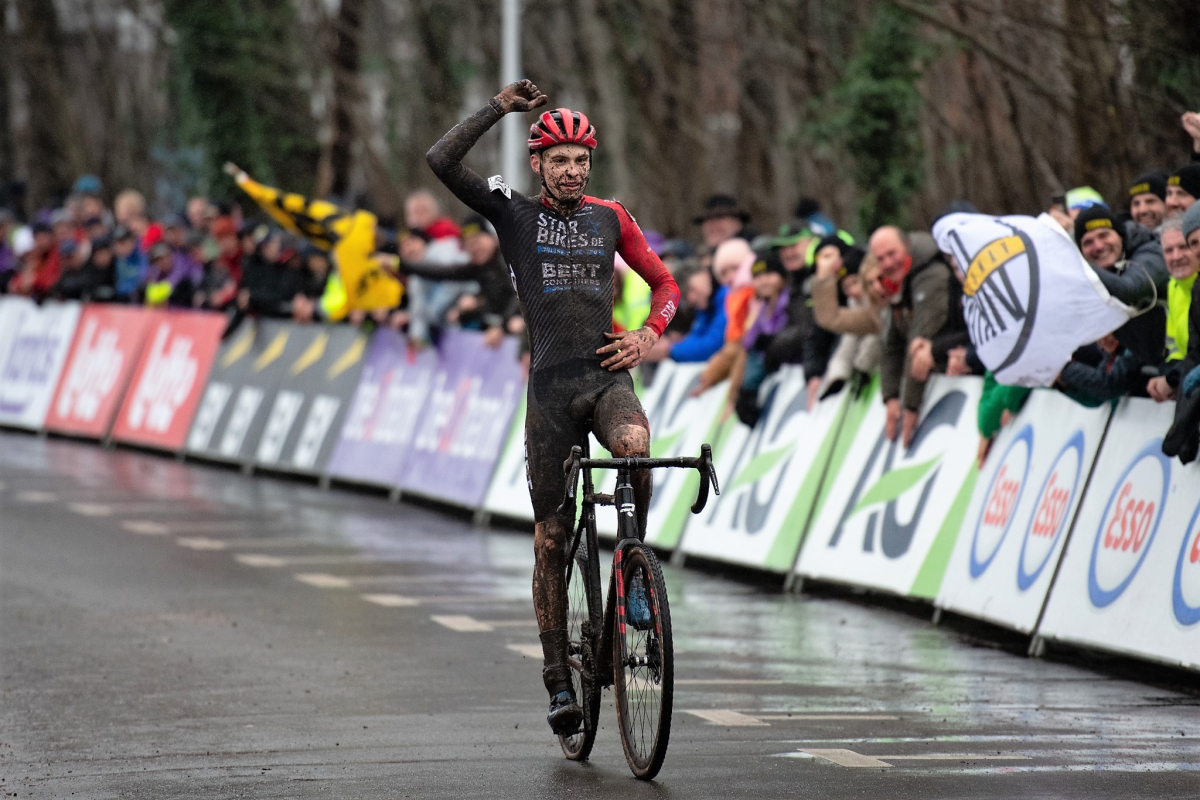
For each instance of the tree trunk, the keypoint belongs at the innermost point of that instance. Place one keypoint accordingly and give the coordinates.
(54, 157)
(337, 157)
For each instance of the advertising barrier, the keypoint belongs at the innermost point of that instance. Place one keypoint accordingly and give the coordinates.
(1130, 577)
(311, 402)
(392, 390)
(892, 514)
(465, 421)
(1022, 507)
(770, 476)
(248, 371)
(162, 398)
(679, 424)
(29, 373)
(108, 341)
(508, 493)
(12, 311)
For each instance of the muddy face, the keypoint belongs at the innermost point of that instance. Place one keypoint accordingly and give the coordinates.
(564, 169)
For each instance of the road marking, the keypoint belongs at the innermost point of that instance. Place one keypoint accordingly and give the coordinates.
(259, 560)
(732, 719)
(145, 527)
(391, 600)
(849, 758)
(463, 624)
(724, 682)
(91, 509)
(34, 496)
(264, 560)
(527, 650)
(322, 581)
(830, 717)
(199, 543)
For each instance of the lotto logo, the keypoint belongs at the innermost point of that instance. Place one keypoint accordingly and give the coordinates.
(165, 383)
(1128, 526)
(1185, 595)
(93, 373)
(1000, 502)
(1050, 512)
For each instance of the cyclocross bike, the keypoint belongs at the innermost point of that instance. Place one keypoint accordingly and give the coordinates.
(624, 644)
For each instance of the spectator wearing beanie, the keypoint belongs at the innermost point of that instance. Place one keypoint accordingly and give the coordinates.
(1183, 439)
(731, 265)
(1147, 199)
(1183, 187)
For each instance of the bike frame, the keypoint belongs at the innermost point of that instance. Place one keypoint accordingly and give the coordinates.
(627, 532)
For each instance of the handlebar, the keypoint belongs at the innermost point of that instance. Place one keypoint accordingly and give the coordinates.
(704, 464)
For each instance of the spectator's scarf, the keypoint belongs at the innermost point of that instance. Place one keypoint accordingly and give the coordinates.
(1029, 298)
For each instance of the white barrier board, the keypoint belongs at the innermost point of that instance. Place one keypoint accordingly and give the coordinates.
(41, 339)
(770, 476)
(508, 493)
(1130, 577)
(679, 424)
(1022, 507)
(892, 514)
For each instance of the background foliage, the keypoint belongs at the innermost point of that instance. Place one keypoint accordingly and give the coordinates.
(886, 110)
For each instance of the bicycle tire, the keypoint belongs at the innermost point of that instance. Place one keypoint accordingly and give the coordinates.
(583, 628)
(643, 664)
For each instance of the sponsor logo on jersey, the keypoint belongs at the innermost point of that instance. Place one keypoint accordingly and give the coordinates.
(496, 184)
(1129, 524)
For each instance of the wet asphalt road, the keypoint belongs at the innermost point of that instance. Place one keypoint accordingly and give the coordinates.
(173, 630)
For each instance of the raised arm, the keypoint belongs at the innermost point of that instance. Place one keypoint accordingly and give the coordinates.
(445, 157)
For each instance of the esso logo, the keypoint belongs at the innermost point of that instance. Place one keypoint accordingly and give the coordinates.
(1000, 502)
(1050, 511)
(1129, 523)
(1185, 597)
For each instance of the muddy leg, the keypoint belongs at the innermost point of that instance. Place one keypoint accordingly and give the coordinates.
(550, 601)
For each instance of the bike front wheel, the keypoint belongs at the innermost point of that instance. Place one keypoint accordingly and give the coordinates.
(583, 627)
(643, 660)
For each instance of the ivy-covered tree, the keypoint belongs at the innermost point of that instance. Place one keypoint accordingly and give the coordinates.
(872, 113)
(236, 90)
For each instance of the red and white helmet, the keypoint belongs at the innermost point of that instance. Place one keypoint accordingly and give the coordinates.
(561, 126)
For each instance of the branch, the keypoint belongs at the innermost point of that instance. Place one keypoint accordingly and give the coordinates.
(992, 52)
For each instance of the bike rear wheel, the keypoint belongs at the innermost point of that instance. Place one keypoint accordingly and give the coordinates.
(583, 628)
(643, 661)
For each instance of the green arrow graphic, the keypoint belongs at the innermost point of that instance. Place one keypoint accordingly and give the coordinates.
(760, 465)
(895, 483)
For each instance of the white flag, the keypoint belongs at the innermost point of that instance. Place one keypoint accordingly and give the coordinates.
(1029, 298)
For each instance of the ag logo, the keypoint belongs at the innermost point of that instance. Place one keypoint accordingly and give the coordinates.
(1050, 512)
(1000, 502)
(896, 482)
(1185, 597)
(1129, 523)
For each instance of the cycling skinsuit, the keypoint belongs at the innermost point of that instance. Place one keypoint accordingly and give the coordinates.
(562, 269)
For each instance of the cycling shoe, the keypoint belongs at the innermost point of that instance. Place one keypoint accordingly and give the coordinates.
(565, 715)
(637, 607)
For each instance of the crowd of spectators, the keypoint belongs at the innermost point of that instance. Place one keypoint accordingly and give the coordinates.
(809, 295)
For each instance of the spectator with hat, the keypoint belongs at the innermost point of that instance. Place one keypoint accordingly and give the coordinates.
(722, 218)
(1147, 199)
(1183, 187)
(769, 317)
(732, 263)
(79, 279)
(1128, 260)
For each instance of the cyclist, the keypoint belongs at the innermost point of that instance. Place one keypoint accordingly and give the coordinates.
(560, 247)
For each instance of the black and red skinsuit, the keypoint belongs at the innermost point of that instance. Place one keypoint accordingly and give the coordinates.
(563, 272)
(562, 268)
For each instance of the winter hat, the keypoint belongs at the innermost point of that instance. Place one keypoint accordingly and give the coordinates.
(1084, 197)
(1191, 220)
(768, 262)
(1187, 178)
(1153, 182)
(1093, 218)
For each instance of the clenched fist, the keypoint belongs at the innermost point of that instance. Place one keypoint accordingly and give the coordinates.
(520, 96)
